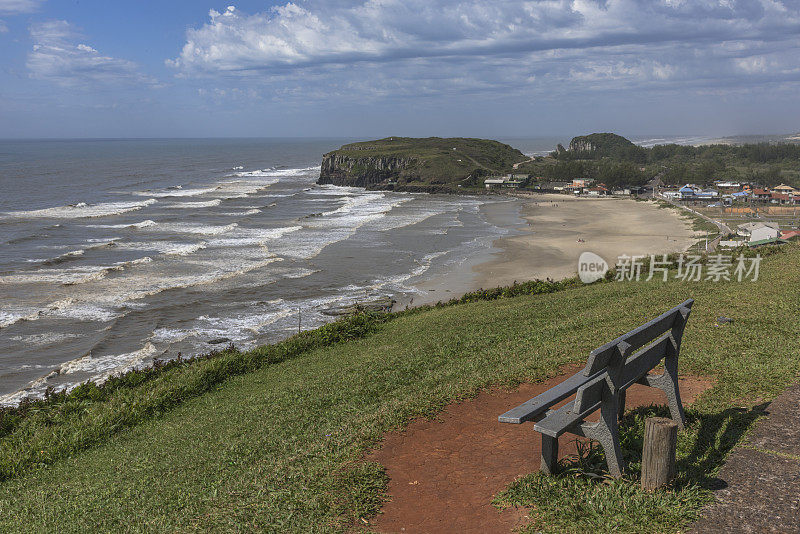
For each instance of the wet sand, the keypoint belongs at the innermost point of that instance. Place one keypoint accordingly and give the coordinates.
(544, 241)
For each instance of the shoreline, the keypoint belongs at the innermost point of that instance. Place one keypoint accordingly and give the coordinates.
(544, 243)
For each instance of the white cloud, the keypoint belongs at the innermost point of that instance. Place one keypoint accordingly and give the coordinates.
(398, 47)
(16, 7)
(59, 57)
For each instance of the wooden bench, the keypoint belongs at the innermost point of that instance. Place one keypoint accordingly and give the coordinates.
(609, 371)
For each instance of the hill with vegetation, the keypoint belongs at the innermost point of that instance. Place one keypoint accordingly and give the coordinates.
(417, 164)
(600, 145)
(274, 439)
(615, 161)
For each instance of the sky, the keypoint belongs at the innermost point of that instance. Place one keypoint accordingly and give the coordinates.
(336, 68)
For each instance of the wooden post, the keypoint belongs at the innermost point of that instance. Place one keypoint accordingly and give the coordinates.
(658, 457)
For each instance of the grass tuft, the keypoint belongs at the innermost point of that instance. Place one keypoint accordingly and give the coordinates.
(584, 496)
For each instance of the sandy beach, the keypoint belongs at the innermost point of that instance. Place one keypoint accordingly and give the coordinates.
(550, 234)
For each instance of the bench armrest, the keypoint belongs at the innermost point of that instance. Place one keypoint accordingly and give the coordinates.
(529, 410)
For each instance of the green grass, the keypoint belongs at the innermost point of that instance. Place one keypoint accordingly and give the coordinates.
(582, 496)
(699, 224)
(276, 443)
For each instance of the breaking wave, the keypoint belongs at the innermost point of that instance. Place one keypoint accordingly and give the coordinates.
(81, 210)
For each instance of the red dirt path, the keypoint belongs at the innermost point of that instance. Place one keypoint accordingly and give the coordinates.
(445, 472)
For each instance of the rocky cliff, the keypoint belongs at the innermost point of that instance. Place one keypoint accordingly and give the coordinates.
(365, 171)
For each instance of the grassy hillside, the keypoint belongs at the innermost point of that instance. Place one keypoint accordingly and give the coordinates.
(278, 446)
(405, 162)
(615, 160)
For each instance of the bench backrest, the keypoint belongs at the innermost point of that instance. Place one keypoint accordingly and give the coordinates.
(628, 358)
(616, 363)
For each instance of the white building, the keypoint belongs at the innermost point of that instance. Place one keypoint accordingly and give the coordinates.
(747, 229)
(494, 183)
(765, 232)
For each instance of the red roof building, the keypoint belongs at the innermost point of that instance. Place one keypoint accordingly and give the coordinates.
(761, 194)
(790, 234)
(783, 198)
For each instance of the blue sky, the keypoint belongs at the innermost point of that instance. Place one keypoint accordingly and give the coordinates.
(338, 68)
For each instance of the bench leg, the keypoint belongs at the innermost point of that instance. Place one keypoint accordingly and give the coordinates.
(621, 404)
(668, 383)
(606, 432)
(549, 455)
(610, 442)
(670, 387)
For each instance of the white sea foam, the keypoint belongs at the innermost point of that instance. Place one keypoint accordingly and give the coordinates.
(67, 256)
(183, 249)
(399, 282)
(74, 309)
(237, 327)
(252, 182)
(104, 301)
(334, 190)
(252, 236)
(143, 224)
(43, 339)
(199, 204)
(408, 216)
(243, 188)
(104, 241)
(247, 213)
(33, 390)
(338, 224)
(168, 248)
(196, 228)
(9, 317)
(101, 368)
(294, 171)
(108, 365)
(82, 210)
(176, 192)
(71, 275)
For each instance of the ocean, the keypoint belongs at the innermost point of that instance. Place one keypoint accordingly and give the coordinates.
(117, 252)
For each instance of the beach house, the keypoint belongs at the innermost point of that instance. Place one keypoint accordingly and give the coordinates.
(551, 186)
(693, 192)
(494, 183)
(757, 231)
(599, 191)
(761, 194)
(509, 181)
(688, 191)
(791, 234)
(784, 189)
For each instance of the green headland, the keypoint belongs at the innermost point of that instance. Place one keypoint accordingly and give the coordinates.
(454, 165)
(409, 164)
